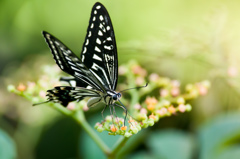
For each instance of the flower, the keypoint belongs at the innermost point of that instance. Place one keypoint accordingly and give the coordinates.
(21, 87)
(153, 77)
(113, 128)
(124, 128)
(164, 92)
(162, 111)
(138, 70)
(175, 91)
(172, 110)
(182, 108)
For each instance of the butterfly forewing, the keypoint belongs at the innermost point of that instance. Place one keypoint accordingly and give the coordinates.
(99, 52)
(70, 63)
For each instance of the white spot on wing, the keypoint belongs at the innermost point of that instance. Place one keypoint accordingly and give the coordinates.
(107, 47)
(97, 49)
(100, 33)
(83, 58)
(92, 25)
(94, 18)
(108, 27)
(101, 17)
(87, 42)
(84, 50)
(98, 7)
(98, 41)
(97, 57)
(73, 83)
(109, 39)
(89, 34)
(95, 12)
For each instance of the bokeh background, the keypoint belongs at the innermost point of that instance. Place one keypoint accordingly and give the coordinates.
(185, 40)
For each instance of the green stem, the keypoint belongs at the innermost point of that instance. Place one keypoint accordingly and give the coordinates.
(117, 147)
(79, 117)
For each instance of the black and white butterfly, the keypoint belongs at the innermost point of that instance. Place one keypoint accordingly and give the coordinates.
(95, 73)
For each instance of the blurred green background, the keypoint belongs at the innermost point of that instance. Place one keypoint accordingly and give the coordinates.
(182, 39)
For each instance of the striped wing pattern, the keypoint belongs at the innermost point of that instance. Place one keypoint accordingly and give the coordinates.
(70, 63)
(66, 94)
(99, 52)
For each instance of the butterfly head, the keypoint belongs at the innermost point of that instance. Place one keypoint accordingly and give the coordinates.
(116, 96)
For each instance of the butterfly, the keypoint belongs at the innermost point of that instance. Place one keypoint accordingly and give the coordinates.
(95, 73)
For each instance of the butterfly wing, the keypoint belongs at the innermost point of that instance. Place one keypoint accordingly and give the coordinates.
(99, 52)
(66, 94)
(70, 63)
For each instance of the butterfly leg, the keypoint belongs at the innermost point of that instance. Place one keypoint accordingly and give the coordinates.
(103, 111)
(114, 112)
(125, 111)
(112, 115)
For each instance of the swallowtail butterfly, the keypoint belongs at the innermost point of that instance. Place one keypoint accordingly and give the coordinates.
(95, 73)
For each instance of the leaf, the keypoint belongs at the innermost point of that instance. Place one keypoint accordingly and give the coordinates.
(171, 144)
(7, 146)
(219, 135)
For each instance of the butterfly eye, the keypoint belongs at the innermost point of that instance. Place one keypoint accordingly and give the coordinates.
(115, 96)
(119, 95)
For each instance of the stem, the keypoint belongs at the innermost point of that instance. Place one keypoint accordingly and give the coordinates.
(117, 147)
(79, 117)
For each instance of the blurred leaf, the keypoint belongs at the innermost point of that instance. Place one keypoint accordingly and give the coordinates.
(142, 155)
(59, 140)
(220, 136)
(7, 146)
(230, 153)
(171, 144)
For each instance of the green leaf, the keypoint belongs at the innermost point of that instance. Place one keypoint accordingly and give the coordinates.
(171, 144)
(219, 136)
(7, 146)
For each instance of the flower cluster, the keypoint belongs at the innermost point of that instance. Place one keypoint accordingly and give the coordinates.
(169, 101)
(146, 105)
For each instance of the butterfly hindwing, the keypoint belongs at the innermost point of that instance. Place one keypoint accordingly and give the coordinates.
(66, 94)
(99, 52)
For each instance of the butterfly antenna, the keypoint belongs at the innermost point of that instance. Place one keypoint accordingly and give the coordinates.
(134, 88)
